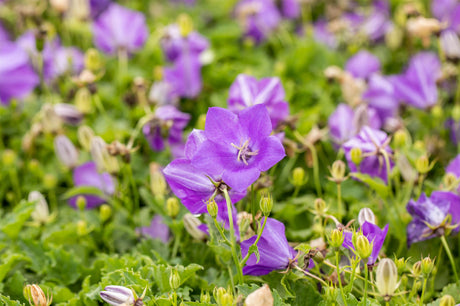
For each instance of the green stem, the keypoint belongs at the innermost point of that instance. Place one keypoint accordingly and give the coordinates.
(315, 169)
(339, 276)
(423, 290)
(388, 167)
(449, 254)
(245, 259)
(133, 187)
(221, 231)
(15, 182)
(339, 201)
(232, 236)
(366, 271)
(177, 239)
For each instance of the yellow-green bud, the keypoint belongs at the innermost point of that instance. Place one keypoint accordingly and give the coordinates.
(105, 212)
(318, 258)
(8, 157)
(400, 138)
(447, 300)
(93, 60)
(222, 297)
(320, 207)
(338, 171)
(185, 24)
(437, 112)
(82, 228)
(172, 207)
(386, 278)
(212, 208)
(201, 122)
(356, 156)
(83, 100)
(34, 294)
(401, 265)
(450, 181)
(266, 204)
(49, 181)
(394, 37)
(298, 177)
(174, 279)
(157, 181)
(417, 269)
(362, 246)
(205, 297)
(427, 266)
(105, 162)
(81, 203)
(85, 135)
(422, 164)
(456, 113)
(337, 238)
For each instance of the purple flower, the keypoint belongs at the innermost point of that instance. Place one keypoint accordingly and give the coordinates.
(430, 216)
(258, 17)
(454, 128)
(184, 76)
(290, 9)
(274, 250)
(98, 6)
(4, 35)
(454, 168)
(238, 147)
(417, 86)
(362, 65)
(374, 234)
(174, 44)
(119, 28)
(167, 125)
(373, 144)
(322, 34)
(87, 175)
(246, 91)
(156, 230)
(447, 11)
(378, 22)
(380, 95)
(17, 77)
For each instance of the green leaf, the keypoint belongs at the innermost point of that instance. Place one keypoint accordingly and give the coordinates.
(375, 184)
(9, 262)
(85, 190)
(64, 268)
(161, 274)
(7, 301)
(14, 221)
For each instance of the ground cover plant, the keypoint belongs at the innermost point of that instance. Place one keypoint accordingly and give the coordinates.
(224, 152)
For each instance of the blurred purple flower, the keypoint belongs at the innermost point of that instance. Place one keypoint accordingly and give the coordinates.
(373, 144)
(119, 28)
(156, 230)
(454, 128)
(374, 234)
(362, 65)
(274, 250)
(290, 9)
(17, 77)
(4, 35)
(378, 22)
(184, 76)
(247, 91)
(238, 147)
(167, 125)
(450, 44)
(454, 168)
(187, 2)
(430, 216)
(417, 85)
(258, 17)
(380, 95)
(447, 11)
(323, 35)
(98, 6)
(87, 175)
(174, 44)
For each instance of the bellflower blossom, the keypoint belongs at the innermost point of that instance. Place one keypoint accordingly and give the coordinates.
(174, 44)
(156, 230)
(167, 125)
(290, 8)
(374, 234)
(362, 65)
(4, 35)
(378, 22)
(417, 85)
(373, 144)
(274, 250)
(454, 168)
(98, 6)
(184, 76)
(258, 17)
(433, 216)
(17, 77)
(238, 147)
(248, 91)
(447, 11)
(322, 34)
(87, 175)
(381, 96)
(119, 28)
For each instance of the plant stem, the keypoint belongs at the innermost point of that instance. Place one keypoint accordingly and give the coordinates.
(423, 290)
(388, 167)
(339, 201)
(366, 272)
(451, 258)
(339, 276)
(243, 262)
(315, 169)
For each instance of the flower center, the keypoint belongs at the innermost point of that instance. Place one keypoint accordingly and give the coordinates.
(244, 152)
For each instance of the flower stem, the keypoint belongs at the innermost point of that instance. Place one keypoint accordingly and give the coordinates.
(423, 290)
(339, 202)
(366, 272)
(451, 258)
(339, 276)
(315, 169)
(388, 167)
(232, 236)
(245, 259)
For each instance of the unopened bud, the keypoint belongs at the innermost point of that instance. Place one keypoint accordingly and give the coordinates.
(83, 100)
(34, 294)
(205, 297)
(456, 113)
(366, 215)
(49, 181)
(81, 203)
(191, 224)
(450, 181)
(417, 269)
(401, 265)
(298, 177)
(93, 60)
(157, 181)
(105, 212)
(82, 228)
(101, 156)
(172, 207)
(394, 37)
(400, 138)
(212, 208)
(185, 24)
(386, 278)
(8, 157)
(362, 246)
(427, 266)
(223, 298)
(437, 112)
(266, 204)
(422, 164)
(338, 171)
(174, 279)
(356, 156)
(41, 213)
(337, 238)
(261, 297)
(447, 300)
(320, 207)
(68, 113)
(85, 135)
(117, 295)
(65, 151)
(50, 121)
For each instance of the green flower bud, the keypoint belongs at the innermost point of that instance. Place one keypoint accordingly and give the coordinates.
(185, 24)
(172, 207)
(427, 266)
(205, 297)
(337, 238)
(338, 171)
(83, 100)
(320, 207)
(93, 60)
(298, 177)
(266, 204)
(387, 278)
(222, 297)
(417, 269)
(85, 135)
(8, 157)
(174, 279)
(50, 181)
(394, 37)
(401, 265)
(447, 300)
(212, 208)
(456, 113)
(400, 138)
(82, 228)
(105, 212)
(362, 246)
(356, 156)
(81, 203)
(450, 181)
(437, 112)
(422, 164)
(157, 181)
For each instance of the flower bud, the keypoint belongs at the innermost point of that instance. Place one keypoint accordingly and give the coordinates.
(172, 207)
(356, 156)
(266, 204)
(81, 203)
(205, 298)
(362, 246)
(174, 279)
(49, 181)
(93, 60)
(437, 112)
(261, 297)
(82, 228)
(387, 278)
(422, 164)
(50, 121)
(394, 37)
(41, 213)
(212, 208)
(68, 113)
(117, 295)
(185, 24)
(105, 212)
(83, 100)
(366, 215)
(447, 300)
(65, 151)
(417, 269)
(337, 238)
(157, 181)
(320, 207)
(427, 266)
(401, 265)
(400, 138)
(85, 135)
(101, 156)
(450, 181)
(191, 224)
(223, 298)
(298, 177)
(8, 157)
(456, 113)
(34, 294)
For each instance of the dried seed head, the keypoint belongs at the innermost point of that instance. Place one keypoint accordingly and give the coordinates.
(261, 297)
(41, 213)
(387, 278)
(34, 294)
